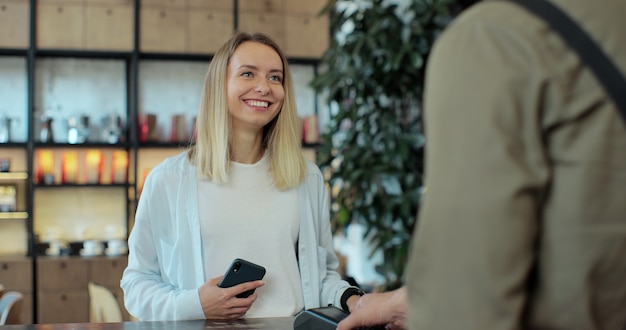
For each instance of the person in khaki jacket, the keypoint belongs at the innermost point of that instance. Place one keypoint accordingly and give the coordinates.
(523, 225)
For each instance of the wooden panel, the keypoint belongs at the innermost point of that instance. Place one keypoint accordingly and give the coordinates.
(60, 25)
(16, 274)
(162, 30)
(69, 306)
(271, 24)
(166, 3)
(62, 273)
(109, 27)
(306, 35)
(312, 7)
(208, 29)
(108, 271)
(26, 314)
(264, 6)
(110, 2)
(60, 2)
(105, 2)
(215, 4)
(14, 23)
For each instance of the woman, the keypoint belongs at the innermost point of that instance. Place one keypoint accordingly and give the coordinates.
(244, 191)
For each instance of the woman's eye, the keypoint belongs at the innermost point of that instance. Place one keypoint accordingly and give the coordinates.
(276, 78)
(247, 74)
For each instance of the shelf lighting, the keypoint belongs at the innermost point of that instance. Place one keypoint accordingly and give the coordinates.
(13, 215)
(13, 175)
(70, 167)
(45, 170)
(119, 167)
(93, 164)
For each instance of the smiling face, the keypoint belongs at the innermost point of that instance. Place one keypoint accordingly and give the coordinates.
(254, 85)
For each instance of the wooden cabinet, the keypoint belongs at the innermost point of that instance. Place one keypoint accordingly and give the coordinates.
(169, 26)
(162, 29)
(208, 28)
(162, 26)
(62, 273)
(85, 24)
(164, 3)
(295, 25)
(60, 24)
(213, 4)
(264, 6)
(107, 271)
(305, 37)
(309, 7)
(196, 27)
(63, 306)
(109, 26)
(306, 32)
(266, 16)
(272, 24)
(14, 27)
(62, 291)
(16, 274)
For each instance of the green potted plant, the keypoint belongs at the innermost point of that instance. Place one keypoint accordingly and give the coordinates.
(372, 149)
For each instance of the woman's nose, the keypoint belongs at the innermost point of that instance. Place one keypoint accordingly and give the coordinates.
(263, 87)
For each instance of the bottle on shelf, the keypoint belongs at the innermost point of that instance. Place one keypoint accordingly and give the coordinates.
(77, 129)
(112, 129)
(6, 123)
(45, 130)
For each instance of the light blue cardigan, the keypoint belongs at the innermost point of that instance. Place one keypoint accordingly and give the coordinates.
(165, 266)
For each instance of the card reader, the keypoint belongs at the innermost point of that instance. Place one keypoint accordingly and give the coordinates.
(323, 318)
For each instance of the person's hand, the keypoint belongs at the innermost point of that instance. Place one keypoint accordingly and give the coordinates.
(222, 303)
(387, 308)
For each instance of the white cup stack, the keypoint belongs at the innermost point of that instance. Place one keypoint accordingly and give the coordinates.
(116, 247)
(92, 248)
(56, 247)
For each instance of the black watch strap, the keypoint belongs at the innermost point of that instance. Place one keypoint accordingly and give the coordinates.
(351, 291)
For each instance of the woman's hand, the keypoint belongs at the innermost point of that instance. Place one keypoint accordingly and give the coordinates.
(222, 303)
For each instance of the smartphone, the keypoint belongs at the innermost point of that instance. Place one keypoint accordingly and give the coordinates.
(241, 271)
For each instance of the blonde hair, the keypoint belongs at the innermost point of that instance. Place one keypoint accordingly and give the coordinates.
(281, 137)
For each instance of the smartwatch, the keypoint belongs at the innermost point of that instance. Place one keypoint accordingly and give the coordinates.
(351, 291)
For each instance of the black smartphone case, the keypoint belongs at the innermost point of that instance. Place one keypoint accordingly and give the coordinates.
(241, 271)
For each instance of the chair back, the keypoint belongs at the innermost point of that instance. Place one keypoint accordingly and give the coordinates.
(103, 307)
(10, 307)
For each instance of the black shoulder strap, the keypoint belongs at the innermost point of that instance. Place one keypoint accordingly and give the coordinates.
(605, 70)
